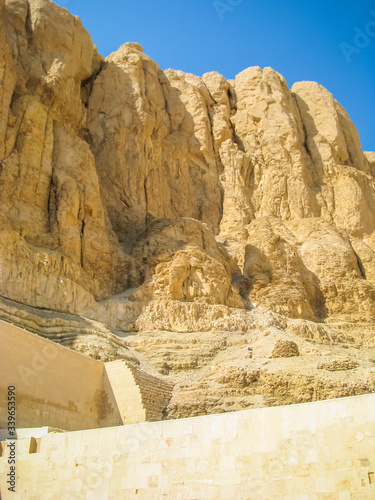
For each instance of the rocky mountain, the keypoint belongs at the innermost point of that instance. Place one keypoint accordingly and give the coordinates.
(192, 216)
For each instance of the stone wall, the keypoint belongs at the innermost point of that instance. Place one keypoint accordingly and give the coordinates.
(312, 451)
(55, 386)
(58, 387)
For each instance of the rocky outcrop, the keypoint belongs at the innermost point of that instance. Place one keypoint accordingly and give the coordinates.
(371, 160)
(57, 247)
(299, 362)
(151, 199)
(75, 332)
(100, 155)
(184, 262)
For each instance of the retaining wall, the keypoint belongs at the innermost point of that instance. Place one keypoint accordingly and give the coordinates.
(313, 451)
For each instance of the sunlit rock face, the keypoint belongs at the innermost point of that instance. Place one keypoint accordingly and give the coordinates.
(116, 175)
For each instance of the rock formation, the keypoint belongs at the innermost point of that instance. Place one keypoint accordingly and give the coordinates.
(153, 200)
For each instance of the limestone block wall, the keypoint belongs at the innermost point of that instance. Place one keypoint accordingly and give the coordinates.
(314, 451)
(140, 396)
(55, 386)
(58, 387)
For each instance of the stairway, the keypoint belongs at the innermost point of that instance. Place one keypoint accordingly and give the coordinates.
(140, 397)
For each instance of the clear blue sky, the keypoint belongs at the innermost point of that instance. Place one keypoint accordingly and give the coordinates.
(299, 38)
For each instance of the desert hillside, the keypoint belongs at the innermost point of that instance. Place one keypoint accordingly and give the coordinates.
(177, 220)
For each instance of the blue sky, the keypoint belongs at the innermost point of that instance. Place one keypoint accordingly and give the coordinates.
(300, 39)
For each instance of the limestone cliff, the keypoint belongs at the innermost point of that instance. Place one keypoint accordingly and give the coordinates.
(160, 200)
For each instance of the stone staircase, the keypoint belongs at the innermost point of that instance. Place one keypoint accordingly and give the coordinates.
(140, 397)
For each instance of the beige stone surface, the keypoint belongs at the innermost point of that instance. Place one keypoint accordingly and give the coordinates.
(54, 386)
(60, 388)
(150, 200)
(311, 451)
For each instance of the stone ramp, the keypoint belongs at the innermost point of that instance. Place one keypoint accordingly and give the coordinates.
(140, 397)
(155, 392)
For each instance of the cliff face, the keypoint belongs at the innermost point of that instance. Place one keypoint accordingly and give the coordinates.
(182, 193)
(116, 174)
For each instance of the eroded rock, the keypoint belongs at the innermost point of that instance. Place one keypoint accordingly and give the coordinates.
(157, 200)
